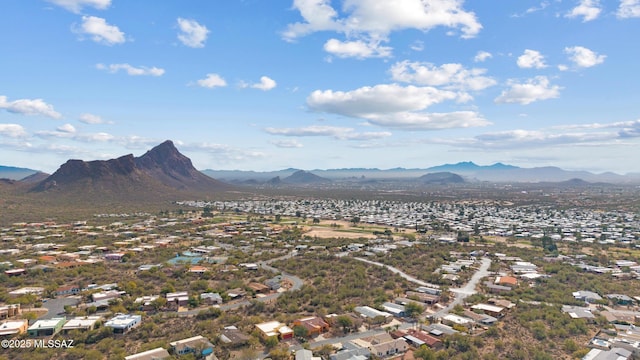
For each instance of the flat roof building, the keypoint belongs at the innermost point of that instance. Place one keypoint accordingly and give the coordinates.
(13, 327)
(123, 323)
(46, 327)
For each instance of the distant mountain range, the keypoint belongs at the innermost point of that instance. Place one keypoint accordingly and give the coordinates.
(441, 178)
(470, 171)
(15, 173)
(164, 167)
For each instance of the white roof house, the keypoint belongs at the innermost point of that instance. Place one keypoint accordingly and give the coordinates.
(81, 323)
(123, 323)
(274, 328)
(13, 327)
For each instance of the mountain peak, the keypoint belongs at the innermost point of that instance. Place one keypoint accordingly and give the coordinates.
(163, 165)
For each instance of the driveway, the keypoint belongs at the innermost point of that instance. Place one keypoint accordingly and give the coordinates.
(55, 307)
(467, 290)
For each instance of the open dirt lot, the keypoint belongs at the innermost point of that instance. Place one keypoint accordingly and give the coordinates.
(346, 229)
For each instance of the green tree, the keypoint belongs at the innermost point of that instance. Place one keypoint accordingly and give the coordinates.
(345, 322)
(425, 353)
(271, 342)
(413, 310)
(300, 331)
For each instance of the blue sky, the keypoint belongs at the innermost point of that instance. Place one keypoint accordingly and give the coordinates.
(317, 84)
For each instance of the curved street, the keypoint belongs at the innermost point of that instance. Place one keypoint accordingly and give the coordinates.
(296, 284)
(460, 293)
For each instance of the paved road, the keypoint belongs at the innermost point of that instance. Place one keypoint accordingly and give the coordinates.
(296, 284)
(395, 270)
(460, 293)
(469, 289)
(55, 307)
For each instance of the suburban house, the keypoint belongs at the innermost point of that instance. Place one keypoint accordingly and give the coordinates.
(493, 288)
(198, 345)
(620, 299)
(114, 256)
(27, 290)
(509, 281)
(423, 297)
(83, 323)
(106, 295)
(211, 298)
(370, 313)
(275, 328)
(305, 354)
(67, 290)
(493, 310)
(177, 298)
(146, 302)
(395, 309)
(259, 288)
(577, 312)
(233, 337)
(351, 351)
(197, 269)
(10, 310)
(587, 296)
(418, 338)
(123, 323)
(613, 353)
(315, 325)
(13, 327)
(274, 283)
(15, 272)
(46, 327)
(482, 319)
(236, 293)
(389, 348)
(452, 319)
(154, 354)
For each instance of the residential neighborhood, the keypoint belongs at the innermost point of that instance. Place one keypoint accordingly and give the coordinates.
(196, 272)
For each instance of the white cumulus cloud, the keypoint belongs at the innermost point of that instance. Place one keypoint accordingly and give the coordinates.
(628, 9)
(367, 23)
(76, 6)
(29, 107)
(132, 70)
(587, 9)
(266, 83)
(368, 100)
(482, 56)
(379, 18)
(192, 34)
(91, 119)
(395, 106)
(450, 76)
(535, 89)
(100, 31)
(583, 57)
(67, 128)
(287, 144)
(12, 130)
(358, 49)
(531, 59)
(336, 132)
(211, 81)
(429, 121)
